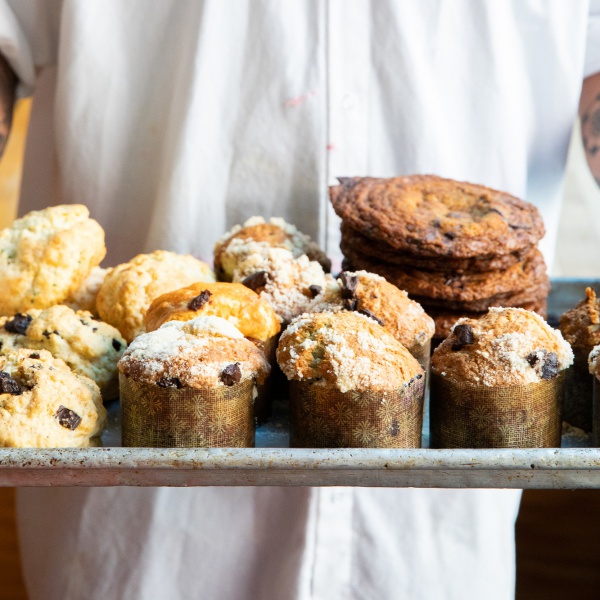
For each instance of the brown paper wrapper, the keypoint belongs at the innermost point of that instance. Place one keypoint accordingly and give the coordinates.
(464, 415)
(577, 407)
(154, 417)
(323, 417)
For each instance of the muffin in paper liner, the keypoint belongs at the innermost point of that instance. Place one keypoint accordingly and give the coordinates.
(210, 417)
(321, 416)
(467, 415)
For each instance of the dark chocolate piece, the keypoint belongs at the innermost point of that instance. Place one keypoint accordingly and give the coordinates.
(464, 336)
(256, 281)
(546, 365)
(67, 418)
(34, 355)
(46, 334)
(169, 382)
(116, 344)
(350, 303)
(349, 283)
(315, 290)
(368, 313)
(200, 300)
(8, 385)
(231, 374)
(18, 324)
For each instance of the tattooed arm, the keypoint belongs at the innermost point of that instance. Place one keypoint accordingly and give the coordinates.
(8, 83)
(589, 111)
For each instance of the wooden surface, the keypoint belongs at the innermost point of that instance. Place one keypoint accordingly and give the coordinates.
(11, 581)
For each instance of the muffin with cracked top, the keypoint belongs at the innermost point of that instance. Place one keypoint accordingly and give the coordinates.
(497, 382)
(352, 383)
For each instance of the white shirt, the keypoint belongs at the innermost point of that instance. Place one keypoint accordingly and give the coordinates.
(173, 121)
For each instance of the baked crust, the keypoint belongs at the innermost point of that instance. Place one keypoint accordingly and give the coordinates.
(429, 216)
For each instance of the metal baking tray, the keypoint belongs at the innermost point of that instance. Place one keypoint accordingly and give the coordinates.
(272, 462)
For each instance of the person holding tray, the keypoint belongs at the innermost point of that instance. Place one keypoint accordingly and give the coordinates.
(172, 121)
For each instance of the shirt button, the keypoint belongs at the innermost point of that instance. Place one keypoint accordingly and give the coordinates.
(349, 101)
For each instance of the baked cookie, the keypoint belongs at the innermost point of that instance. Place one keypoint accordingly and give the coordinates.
(84, 298)
(373, 296)
(468, 288)
(275, 233)
(506, 346)
(234, 302)
(129, 289)
(43, 404)
(89, 347)
(276, 276)
(46, 255)
(429, 216)
(353, 244)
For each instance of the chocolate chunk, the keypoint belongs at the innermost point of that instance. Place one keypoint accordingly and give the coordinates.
(169, 382)
(46, 334)
(199, 301)
(67, 418)
(368, 313)
(464, 336)
(532, 358)
(315, 290)
(545, 363)
(116, 344)
(449, 235)
(18, 324)
(256, 281)
(231, 374)
(34, 355)
(349, 283)
(350, 303)
(8, 385)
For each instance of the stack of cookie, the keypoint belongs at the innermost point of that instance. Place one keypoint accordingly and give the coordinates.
(456, 248)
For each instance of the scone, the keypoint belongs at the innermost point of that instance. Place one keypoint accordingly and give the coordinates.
(84, 297)
(43, 404)
(352, 383)
(46, 255)
(89, 347)
(497, 382)
(373, 296)
(581, 328)
(129, 289)
(286, 282)
(275, 233)
(191, 384)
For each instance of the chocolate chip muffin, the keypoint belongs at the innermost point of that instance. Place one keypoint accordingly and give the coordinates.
(46, 255)
(275, 233)
(352, 383)
(191, 383)
(89, 347)
(129, 289)
(46, 405)
(497, 382)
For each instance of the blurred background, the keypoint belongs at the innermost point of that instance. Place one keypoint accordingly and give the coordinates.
(557, 531)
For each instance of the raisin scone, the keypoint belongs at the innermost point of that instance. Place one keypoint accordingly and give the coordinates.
(46, 255)
(89, 347)
(129, 289)
(43, 404)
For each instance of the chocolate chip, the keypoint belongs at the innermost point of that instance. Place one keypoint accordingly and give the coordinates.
(56, 333)
(256, 281)
(349, 283)
(46, 334)
(315, 290)
(545, 363)
(368, 313)
(8, 385)
(199, 301)
(231, 374)
(116, 344)
(18, 324)
(169, 382)
(449, 235)
(464, 336)
(34, 355)
(67, 418)
(350, 303)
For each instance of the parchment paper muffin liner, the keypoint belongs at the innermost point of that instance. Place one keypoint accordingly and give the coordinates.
(466, 415)
(579, 392)
(155, 417)
(323, 417)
